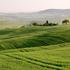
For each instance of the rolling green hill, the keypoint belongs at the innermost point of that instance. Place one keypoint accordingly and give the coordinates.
(35, 48)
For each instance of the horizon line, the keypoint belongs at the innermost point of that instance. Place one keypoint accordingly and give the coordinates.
(36, 11)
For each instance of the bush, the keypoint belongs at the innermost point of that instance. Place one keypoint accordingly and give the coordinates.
(34, 23)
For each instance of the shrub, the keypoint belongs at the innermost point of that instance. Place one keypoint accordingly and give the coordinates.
(34, 23)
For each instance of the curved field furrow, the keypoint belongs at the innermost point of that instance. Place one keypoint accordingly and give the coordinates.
(37, 62)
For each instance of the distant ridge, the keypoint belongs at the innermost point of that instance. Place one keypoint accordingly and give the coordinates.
(53, 15)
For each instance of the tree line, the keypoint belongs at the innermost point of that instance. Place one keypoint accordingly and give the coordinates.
(66, 21)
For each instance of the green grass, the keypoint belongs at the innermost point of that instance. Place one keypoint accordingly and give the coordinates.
(35, 48)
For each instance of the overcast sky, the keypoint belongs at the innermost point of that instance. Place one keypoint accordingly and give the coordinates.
(32, 5)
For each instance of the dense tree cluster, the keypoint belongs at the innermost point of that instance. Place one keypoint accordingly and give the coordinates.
(45, 24)
(66, 21)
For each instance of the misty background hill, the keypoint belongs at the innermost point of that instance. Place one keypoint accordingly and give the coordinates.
(52, 15)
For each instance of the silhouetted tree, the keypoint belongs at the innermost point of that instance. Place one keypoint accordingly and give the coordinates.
(46, 23)
(66, 21)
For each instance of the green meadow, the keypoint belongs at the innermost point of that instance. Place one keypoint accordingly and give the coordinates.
(35, 48)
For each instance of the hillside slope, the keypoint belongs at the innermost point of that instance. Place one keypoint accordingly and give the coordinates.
(35, 48)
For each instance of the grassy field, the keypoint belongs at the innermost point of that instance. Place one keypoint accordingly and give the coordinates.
(35, 48)
(10, 24)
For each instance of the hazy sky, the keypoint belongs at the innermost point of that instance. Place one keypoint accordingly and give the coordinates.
(32, 5)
